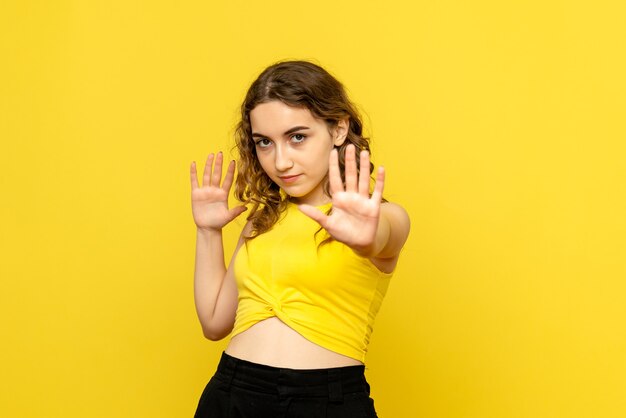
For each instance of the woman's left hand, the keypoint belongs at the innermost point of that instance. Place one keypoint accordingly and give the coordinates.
(355, 214)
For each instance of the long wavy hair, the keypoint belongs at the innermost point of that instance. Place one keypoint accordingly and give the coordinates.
(299, 84)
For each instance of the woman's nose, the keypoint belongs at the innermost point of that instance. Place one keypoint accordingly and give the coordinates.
(282, 159)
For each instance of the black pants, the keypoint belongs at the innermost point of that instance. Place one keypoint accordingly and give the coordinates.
(241, 389)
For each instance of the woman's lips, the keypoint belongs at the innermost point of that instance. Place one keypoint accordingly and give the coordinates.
(289, 179)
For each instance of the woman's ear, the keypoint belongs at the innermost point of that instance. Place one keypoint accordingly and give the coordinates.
(341, 131)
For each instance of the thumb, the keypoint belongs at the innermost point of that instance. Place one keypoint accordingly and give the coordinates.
(236, 211)
(314, 213)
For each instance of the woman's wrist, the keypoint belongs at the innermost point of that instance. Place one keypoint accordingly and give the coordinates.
(208, 232)
(368, 251)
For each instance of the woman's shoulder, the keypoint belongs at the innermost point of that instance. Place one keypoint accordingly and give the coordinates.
(394, 211)
(399, 227)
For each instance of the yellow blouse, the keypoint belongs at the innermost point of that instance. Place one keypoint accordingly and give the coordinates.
(326, 293)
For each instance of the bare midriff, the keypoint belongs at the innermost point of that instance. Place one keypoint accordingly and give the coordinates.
(274, 343)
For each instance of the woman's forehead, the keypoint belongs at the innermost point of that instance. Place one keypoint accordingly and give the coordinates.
(276, 117)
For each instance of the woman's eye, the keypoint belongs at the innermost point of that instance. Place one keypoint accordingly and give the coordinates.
(298, 138)
(263, 143)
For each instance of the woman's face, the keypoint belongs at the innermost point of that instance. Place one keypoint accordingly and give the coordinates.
(293, 148)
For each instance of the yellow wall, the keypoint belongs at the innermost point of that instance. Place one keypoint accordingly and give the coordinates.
(500, 123)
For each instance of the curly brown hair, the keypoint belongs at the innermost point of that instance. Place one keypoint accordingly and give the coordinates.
(300, 84)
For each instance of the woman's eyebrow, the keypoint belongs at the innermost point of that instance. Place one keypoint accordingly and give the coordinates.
(289, 131)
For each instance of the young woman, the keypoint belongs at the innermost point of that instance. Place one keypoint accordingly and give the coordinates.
(313, 261)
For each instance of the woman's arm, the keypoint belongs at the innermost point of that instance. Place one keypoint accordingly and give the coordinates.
(215, 291)
(391, 234)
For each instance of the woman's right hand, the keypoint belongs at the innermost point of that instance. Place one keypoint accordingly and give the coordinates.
(209, 202)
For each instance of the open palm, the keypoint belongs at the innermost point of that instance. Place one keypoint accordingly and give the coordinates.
(209, 202)
(355, 214)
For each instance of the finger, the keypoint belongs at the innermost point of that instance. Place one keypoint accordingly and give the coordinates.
(228, 180)
(377, 196)
(314, 213)
(364, 174)
(236, 211)
(350, 169)
(334, 176)
(217, 170)
(206, 178)
(194, 176)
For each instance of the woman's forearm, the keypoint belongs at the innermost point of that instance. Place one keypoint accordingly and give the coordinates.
(209, 274)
